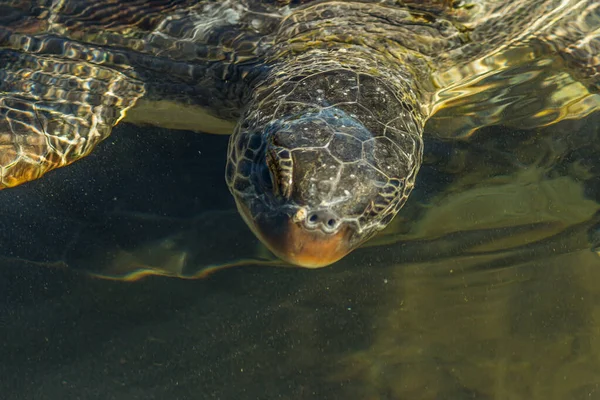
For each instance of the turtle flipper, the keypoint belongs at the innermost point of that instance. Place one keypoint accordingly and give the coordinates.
(53, 112)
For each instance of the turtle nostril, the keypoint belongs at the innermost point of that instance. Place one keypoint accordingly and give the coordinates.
(324, 218)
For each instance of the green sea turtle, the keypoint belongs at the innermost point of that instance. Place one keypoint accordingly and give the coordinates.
(327, 100)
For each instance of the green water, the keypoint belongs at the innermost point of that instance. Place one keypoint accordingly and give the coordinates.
(485, 287)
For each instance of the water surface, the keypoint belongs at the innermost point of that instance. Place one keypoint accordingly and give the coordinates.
(485, 287)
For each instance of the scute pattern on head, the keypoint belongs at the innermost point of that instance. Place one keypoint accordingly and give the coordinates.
(343, 128)
(346, 148)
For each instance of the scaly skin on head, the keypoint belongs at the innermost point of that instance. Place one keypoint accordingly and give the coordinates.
(326, 153)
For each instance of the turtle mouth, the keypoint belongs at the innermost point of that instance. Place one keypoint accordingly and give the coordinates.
(296, 244)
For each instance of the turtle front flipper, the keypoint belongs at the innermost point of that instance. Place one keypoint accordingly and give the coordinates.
(53, 112)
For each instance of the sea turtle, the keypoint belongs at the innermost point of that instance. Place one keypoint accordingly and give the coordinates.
(327, 100)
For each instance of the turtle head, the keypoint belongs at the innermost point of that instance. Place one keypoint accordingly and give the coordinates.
(316, 182)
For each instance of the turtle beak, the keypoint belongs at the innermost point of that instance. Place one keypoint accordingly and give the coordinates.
(297, 245)
(293, 242)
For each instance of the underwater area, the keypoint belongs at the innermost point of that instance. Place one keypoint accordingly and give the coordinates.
(130, 275)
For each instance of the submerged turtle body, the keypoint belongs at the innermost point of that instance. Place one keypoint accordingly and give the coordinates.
(327, 100)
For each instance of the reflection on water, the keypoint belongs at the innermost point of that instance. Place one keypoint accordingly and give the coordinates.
(485, 287)
(522, 87)
(457, 329)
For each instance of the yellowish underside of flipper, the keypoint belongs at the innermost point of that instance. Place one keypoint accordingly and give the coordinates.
(172, 115)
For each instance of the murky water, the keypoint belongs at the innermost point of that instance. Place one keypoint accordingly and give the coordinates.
(486, 286)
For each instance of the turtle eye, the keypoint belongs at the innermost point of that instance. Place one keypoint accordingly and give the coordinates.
(265, 177)
(279, 161)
